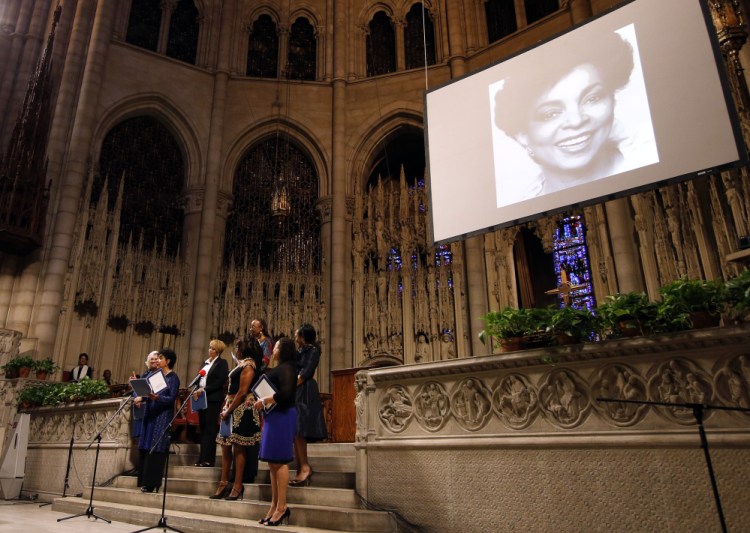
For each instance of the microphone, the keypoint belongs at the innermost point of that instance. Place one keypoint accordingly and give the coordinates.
(197, 378)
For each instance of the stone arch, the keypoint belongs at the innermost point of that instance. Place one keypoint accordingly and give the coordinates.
(307, 11)
(295, 132)
(166, 112)
(369, 10)
(406, 5)
(372, 134)
(252, 13)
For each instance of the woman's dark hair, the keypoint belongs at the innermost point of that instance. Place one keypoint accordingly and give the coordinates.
(249, 347)
(287, 351)
(307, 332)
(611, 56)
(170, 356)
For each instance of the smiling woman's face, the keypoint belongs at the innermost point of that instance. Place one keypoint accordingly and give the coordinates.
(570, 122)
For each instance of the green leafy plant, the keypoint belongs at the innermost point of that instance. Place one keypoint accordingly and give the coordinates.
(578, 324)
(46, 365)
(623, 313)
(737, 295)
(694, 295)
(508, 323)
(34, 395)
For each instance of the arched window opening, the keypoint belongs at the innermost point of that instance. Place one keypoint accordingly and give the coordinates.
(572, 257)
(144, 24)
(381, 45)
(146, 154)
(182, 43)
(263, 49)
(538, 9)
(534, 271)
(501, 19)
(302, 51)
(254, 235)
(415, 39)
(403, 150)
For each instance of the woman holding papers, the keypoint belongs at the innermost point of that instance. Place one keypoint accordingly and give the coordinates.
(158, 411)
(311, 425)
(245, 437)
(277, 437)
(212, 384)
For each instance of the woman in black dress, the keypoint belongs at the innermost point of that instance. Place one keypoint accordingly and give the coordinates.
(311, 424)
(245, 437)
(158, 412)
(280, 423)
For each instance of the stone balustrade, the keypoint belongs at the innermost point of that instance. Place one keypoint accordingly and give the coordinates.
(521, 441)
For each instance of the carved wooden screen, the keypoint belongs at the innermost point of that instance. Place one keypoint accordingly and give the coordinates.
(271, 264)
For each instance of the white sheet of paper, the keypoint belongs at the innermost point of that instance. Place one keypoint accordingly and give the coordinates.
(157, 382)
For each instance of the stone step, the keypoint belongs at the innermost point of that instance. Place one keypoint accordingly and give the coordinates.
(318, 449)
(311, 495)
(106, 499)
(340, 463)
(321, 478)
(189, 522)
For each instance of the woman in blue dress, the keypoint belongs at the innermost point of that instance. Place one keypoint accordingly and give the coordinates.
(279, 425)
(158, 412)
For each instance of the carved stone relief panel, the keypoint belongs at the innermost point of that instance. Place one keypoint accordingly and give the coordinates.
(564, 398)
(471, 404)
(732, 383)
(516, 401)
(621, 382)
(679, 381)
(395, 409)
(432, 406)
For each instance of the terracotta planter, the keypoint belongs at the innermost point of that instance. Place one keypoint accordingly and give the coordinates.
(511, 344)
(11, 373)
(563, 339)
(702, 319)
(24, 372)
(41, 375)
(629, 328)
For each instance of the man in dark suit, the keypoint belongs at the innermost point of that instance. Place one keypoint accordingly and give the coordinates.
(213, 383)
(83, 370)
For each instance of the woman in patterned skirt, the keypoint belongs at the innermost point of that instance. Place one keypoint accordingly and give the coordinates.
(245, 437)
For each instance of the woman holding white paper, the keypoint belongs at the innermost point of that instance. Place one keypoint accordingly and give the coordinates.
(158, 411)
(280, 423)
(245, 421)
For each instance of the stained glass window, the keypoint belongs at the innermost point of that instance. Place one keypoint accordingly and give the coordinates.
(302, 50)
(144, 24)
(253, 235)
(570, 254)
(501, 19)
(263, 49)
(146, 154)
(538, 9)
(381, 45)
(415, 38)
(182, 42)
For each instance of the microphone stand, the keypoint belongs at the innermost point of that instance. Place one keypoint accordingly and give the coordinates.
(698, 412)
(66, 485)
(167, 432)
(98, 438)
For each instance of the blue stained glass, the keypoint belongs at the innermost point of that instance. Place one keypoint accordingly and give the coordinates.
(570, 253)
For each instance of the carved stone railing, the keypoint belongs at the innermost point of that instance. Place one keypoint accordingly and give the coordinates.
(521, 440)
(49, 439)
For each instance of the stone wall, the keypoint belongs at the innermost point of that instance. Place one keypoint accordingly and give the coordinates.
(49, 440)
(518, 442)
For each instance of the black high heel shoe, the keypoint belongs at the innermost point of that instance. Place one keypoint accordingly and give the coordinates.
(222, 491)
(236, 495)
(285, 517)
(302, 482)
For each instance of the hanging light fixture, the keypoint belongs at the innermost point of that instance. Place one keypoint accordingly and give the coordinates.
(281, 205)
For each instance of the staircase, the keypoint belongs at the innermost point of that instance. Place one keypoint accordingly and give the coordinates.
(329, 504)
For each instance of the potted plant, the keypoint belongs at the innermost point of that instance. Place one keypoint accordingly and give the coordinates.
(44, 368)
(25, 364)
(626, 315)
(11, 369)
(569, 325)
(737, 296)
(510, 326)
(700, 299)
(30, 396)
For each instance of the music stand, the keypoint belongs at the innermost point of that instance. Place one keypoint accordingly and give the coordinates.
(98, 438)
(698, 410)
(167, 432)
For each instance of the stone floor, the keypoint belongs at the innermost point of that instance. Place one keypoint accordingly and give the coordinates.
(24, 516)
